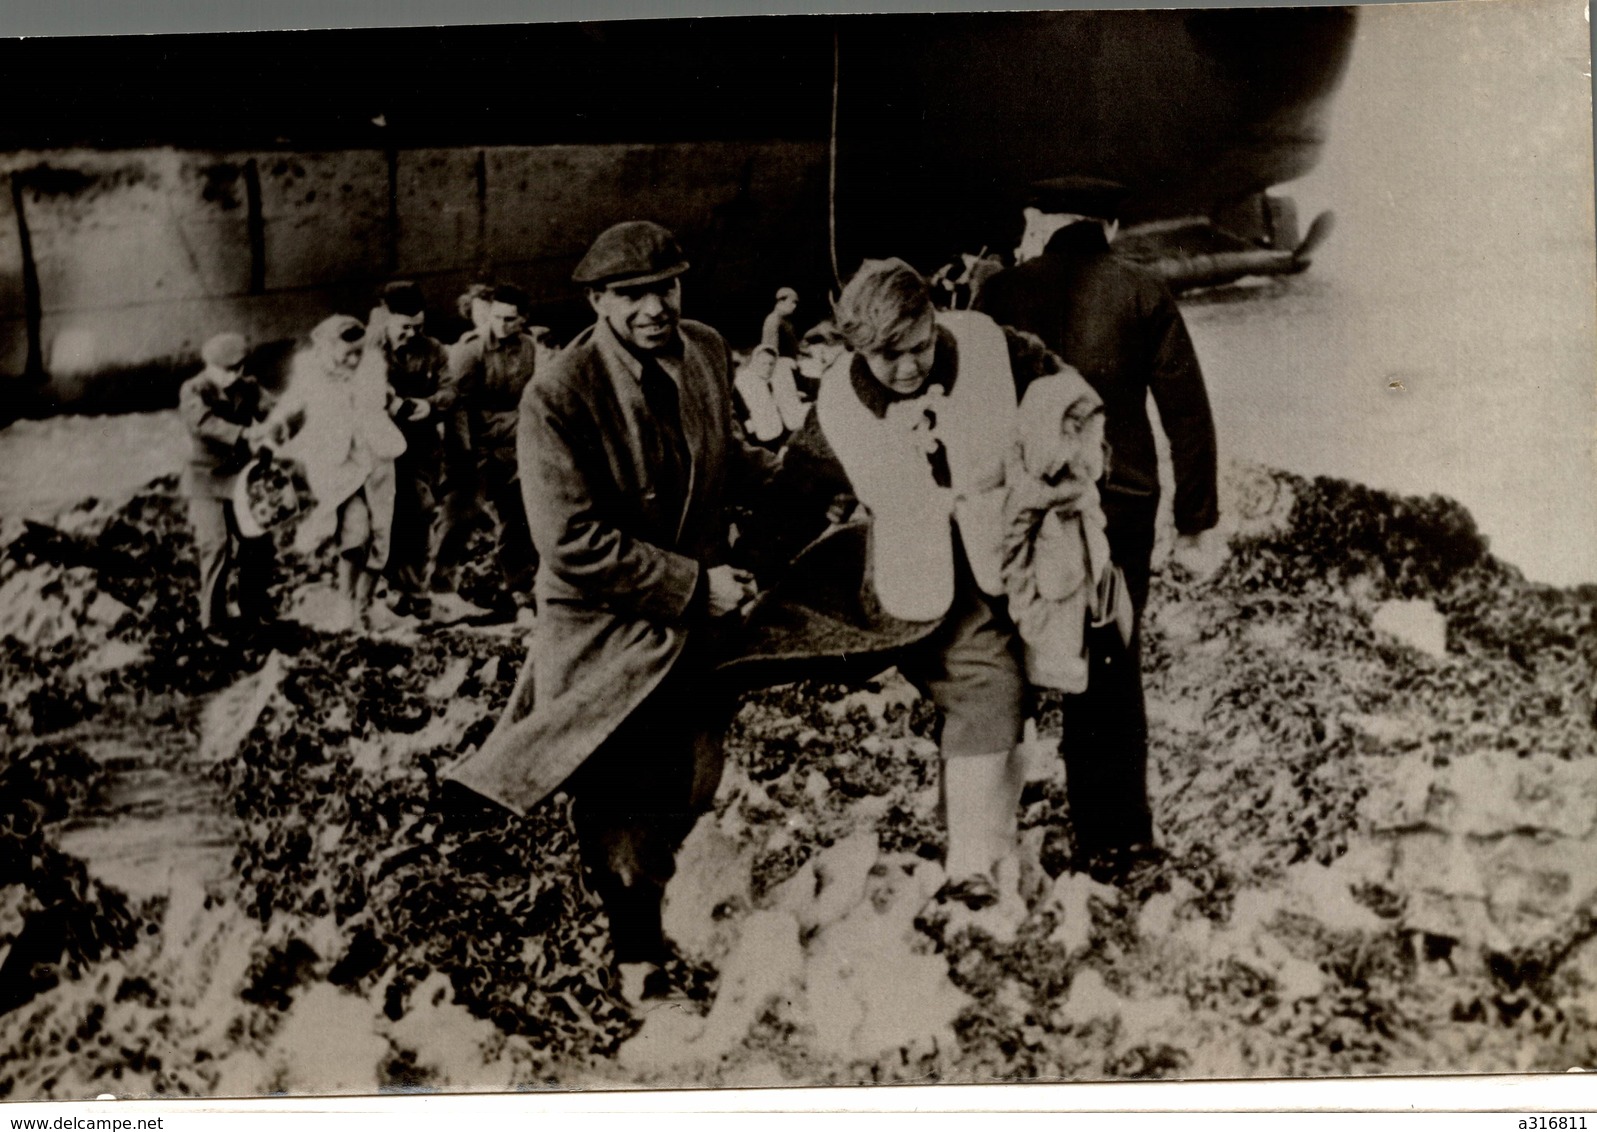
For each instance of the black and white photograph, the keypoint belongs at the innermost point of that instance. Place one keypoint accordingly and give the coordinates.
(800, 550)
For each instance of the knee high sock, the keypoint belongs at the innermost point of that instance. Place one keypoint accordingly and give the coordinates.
(981, 794)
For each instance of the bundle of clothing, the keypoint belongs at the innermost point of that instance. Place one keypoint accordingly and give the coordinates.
(1057, 570)
(333, 419)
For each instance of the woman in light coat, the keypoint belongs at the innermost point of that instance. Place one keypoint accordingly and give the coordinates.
(333, 418)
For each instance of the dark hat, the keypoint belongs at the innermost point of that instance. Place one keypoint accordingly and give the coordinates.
(402, 297)
(511, 295)
(632, 253)
(1082, 196)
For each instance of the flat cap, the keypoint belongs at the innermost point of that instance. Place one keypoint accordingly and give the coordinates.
(633, 253)
(402, 297)
(510, 295)
(224, 351)
(1081, 196)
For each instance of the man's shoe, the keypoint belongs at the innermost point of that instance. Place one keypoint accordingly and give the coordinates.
(640, 983)
(462, 808)
(972, 893)
(407, 604)
(1122, 866)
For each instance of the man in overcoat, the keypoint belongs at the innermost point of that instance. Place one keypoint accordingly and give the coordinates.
(1119, 326)
(627, 453)
(222, 407)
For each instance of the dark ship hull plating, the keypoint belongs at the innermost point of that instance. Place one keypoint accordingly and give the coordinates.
(1195, 111)
(257, 181)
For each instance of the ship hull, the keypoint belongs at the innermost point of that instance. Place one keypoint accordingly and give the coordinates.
(257, 182)
(1193, 111)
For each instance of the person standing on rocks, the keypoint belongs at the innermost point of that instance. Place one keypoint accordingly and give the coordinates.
(398, 351)
(1119, 326)
(334, 419)
(628, 456)
(916, 423)
(222, 408)
(488, 369)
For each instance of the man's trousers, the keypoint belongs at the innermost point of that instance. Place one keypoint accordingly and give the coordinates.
(418, 492)
(222, 551)
(1105, 738)
(490, 486)
(637, 797)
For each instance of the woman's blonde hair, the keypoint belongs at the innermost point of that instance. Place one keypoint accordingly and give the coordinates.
(883, 301)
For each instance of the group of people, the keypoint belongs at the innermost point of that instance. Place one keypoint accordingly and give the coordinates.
(402, 441)
(1001, 460)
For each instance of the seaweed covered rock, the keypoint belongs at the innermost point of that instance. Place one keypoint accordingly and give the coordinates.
(1377, 843)
(1343, 532)
(345, 822)
(61, 921)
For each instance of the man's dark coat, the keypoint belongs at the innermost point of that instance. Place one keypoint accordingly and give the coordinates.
(1119, 326)
(621, 556)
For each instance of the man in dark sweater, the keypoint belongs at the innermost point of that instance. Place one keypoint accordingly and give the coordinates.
(414, 365)
(1119, 326)
(489, 369)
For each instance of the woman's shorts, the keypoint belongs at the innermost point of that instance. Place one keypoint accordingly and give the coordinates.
(971, 667)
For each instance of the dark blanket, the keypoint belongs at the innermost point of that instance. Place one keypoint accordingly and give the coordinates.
(819, 619)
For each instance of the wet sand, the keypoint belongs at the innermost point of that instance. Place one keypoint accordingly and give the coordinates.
(47, 466)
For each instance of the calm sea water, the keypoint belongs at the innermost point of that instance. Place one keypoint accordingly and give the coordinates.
(1444, 340)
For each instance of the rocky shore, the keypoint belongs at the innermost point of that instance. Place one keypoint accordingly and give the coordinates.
(229, 872)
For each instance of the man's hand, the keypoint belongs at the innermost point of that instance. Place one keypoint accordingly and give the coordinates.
(729, 589)
(1199, 555)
